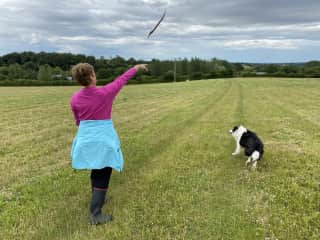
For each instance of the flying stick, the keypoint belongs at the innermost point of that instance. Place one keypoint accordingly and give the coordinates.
(157, 25)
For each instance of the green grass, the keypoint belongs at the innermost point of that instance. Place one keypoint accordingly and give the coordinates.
(180, 180)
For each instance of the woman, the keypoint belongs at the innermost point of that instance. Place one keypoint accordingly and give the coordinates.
(96, 145)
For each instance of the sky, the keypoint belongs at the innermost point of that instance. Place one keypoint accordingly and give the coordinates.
(234, 30)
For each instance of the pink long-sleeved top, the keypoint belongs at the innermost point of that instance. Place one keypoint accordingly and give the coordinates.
(93, 103)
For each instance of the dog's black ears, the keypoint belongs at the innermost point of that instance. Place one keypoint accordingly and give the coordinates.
(235, 128)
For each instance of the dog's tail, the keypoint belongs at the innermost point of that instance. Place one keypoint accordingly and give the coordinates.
(260, 149)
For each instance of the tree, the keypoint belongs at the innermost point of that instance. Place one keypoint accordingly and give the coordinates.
(104, 73)
(2, 77)
(195, 65)
(289, 69)
(132, 61)
(118, 62)
(155, 68)
(312, 64)
(4, 70)
(12, 58)
(44, 73)
(238, 67)
(169, 76)
(119, 70)
(15, 71)
(271, 68)
(184, 66)
(30, 66)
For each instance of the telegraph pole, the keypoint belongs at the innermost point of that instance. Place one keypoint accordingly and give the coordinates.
(175, 71)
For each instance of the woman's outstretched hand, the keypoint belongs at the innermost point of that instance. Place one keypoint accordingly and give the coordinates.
(143, 67)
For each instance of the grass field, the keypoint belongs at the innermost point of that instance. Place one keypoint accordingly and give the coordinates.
(180, 180)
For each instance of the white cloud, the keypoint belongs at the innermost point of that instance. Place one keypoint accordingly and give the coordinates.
(193, 28)
(71, 49)
(31, 38)
(262, 43)
(283, 44)
(35, 38)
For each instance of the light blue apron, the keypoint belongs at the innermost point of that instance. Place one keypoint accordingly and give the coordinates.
(96, 145)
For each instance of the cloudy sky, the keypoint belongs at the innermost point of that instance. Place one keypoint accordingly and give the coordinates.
(235, 30)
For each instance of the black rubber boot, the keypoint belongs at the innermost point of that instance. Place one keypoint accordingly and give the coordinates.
(107, 197)
(97, 202)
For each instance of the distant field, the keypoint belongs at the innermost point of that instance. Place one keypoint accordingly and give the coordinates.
(180, 180)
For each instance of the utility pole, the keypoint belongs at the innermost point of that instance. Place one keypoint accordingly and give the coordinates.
(175, 71)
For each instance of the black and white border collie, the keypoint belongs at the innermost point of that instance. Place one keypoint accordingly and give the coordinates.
(253, 146)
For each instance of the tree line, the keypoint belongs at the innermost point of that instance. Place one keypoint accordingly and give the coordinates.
(29, 68)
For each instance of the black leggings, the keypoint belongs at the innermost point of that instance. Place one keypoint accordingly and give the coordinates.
(100, 178)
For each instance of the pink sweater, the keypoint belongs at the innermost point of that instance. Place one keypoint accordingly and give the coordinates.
(92, 103)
